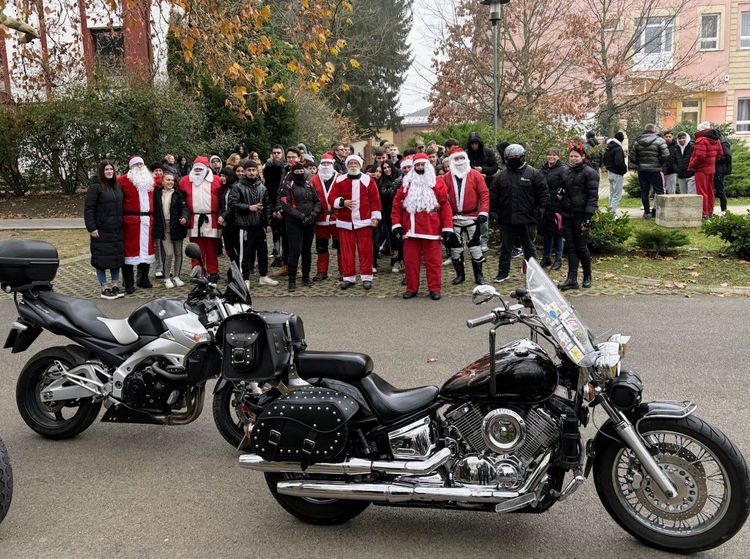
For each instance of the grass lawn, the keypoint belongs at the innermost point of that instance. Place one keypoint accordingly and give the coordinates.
(69, 242)
(704, 261)
(628, 202)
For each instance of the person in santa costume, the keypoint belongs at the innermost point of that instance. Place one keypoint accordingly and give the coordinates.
(421, 216)
(470, 202)
(202, 192)
(356, 200)
(325, 226)
(137, 223)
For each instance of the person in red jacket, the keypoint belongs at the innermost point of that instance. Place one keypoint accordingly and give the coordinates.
(706, 151)
(421, 216)
(470, 204)
(202, 192)
(325, 226)
(356, 200)
(137, 223)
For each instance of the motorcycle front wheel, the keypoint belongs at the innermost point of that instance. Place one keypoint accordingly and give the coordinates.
(709, 472)
(230, 417)
(55, 420)
(6, 481)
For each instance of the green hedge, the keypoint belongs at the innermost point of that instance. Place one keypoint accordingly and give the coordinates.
(732, 228)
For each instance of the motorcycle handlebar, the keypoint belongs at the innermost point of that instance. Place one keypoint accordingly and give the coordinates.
(519, 293)
(486, 319)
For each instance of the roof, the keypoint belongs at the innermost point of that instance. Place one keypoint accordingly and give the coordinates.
(417, 117)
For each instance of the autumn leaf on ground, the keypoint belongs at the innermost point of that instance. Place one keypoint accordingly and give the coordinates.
(692, 267)
(609, 275)
(724, 284)
(695, 274)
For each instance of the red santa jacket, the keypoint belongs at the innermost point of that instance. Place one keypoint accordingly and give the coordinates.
(364, 192)
(473, 198)
(203, 203)
(423, 225)
(137, 223)
(706, 151)
(326, 216)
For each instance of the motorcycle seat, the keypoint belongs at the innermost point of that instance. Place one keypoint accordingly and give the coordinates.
(337, 365)
(390, 403)
(82, 313)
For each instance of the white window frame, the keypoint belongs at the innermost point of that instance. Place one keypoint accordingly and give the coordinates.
(743, 123)
(684, 110)
(663, 58)
(744, 39)
(716, 38)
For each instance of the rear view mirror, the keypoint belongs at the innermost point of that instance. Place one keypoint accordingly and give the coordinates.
(483, 294)
(193, 251)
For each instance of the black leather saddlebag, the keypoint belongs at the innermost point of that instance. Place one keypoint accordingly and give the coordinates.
(305, 426)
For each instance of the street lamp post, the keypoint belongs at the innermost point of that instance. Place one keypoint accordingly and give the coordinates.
(496, 15)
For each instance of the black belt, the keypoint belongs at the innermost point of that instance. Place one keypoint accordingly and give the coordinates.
(141, 214)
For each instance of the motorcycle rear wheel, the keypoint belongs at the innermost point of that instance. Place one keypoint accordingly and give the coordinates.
(315, 511)
(6, 481)
(710, 474)
(50, 420)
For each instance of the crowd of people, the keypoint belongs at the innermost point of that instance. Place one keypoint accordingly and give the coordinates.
(429, 205)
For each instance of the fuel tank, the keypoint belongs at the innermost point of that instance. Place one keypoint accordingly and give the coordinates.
(524, 373)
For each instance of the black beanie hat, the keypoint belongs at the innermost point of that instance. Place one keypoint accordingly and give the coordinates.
(619, 136)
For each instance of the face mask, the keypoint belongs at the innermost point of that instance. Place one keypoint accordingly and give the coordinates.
(419, 171)
(515, 163)
(298, 177)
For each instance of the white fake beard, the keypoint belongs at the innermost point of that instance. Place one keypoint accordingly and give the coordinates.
(326, 172)
(421, 195)
(141, 178)
(198, 179)
(460, 170)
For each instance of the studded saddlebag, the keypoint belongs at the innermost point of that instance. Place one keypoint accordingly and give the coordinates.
(305, 426)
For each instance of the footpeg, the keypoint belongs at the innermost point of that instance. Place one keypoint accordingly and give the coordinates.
(516, 503)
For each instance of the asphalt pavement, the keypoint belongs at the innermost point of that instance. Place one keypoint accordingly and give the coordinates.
(171, 492)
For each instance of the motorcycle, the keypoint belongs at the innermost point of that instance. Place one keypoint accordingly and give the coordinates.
(151, 367)
(6, 481)
(503, 434)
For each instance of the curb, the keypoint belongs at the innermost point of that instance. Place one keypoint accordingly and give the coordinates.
(709, 289)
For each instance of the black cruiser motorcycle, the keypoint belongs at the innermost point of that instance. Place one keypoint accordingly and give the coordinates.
(503, 434)
(151, 367)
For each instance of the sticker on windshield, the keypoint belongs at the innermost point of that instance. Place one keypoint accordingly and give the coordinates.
(576, 354)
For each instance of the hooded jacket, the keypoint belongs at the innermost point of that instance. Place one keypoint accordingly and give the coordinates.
(614, 157)
(518, 194)
(581, 194)
(482, 157)
(649, 152)
(706, 152)
(681, 158)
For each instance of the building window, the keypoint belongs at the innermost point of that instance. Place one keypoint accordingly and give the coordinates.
(612, 25)
(656, 43)
(709, 32)
(745, 31)
(743, 115)
(109, 49)
(691, 110)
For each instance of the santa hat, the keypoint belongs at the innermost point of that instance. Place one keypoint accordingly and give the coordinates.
(455, 150)
(200, 162)
(135, 160)
(421, 158)
(328, 156)
(354, 157)
(407, 161)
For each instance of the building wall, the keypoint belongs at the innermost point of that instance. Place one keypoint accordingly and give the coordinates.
(739, 63)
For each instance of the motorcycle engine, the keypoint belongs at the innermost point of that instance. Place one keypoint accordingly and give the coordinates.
(145, 389)
(497, 447)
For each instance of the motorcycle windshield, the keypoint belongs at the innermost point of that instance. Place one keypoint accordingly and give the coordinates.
(561, 320)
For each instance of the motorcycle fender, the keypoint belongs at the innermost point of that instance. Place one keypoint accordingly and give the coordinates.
(658, 409)
(22, 334)
(220, 384)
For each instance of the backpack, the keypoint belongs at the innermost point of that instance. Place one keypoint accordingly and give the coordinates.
(724, 163)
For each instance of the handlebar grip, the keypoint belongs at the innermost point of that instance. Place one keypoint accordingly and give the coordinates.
(519, 293)
(486, 319)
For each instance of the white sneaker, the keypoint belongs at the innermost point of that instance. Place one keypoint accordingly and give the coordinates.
(447, 262)
(265, 280)
(178, 282)
(168, 283)
(396, 268)
(159, 275)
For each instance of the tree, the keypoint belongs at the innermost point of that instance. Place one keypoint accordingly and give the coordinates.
(634, 63)
(29, 33)
(365, 88)
(538, 52)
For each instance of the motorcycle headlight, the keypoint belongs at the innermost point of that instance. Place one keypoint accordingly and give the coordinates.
(607, 365)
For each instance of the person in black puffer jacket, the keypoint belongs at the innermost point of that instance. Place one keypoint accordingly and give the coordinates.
(102, 215)
(249, 208)
(482, 159)
(171, 215)
(300, 207)
(519, 194)
(551, 225)
(273, 173)
(579, 199)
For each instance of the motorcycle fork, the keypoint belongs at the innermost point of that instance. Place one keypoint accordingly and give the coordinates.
(633, 441)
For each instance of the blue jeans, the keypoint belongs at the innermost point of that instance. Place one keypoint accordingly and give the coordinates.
(558, 245)
(102, 275)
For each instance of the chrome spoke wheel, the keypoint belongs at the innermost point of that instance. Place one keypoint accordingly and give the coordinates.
(703, 489)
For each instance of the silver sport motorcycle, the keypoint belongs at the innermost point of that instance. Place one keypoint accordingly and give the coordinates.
(503, 434)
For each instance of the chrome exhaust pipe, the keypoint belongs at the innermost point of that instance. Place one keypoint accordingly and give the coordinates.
(352, 466)
(397, 493)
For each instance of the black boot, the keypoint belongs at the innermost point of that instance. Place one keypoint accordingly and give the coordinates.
(571, 282)
(128, 278)
(546, 262)
(292, 285)
(478, 276)
(458, 265)
(557, 265)
(586, 278)
(142, 280)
